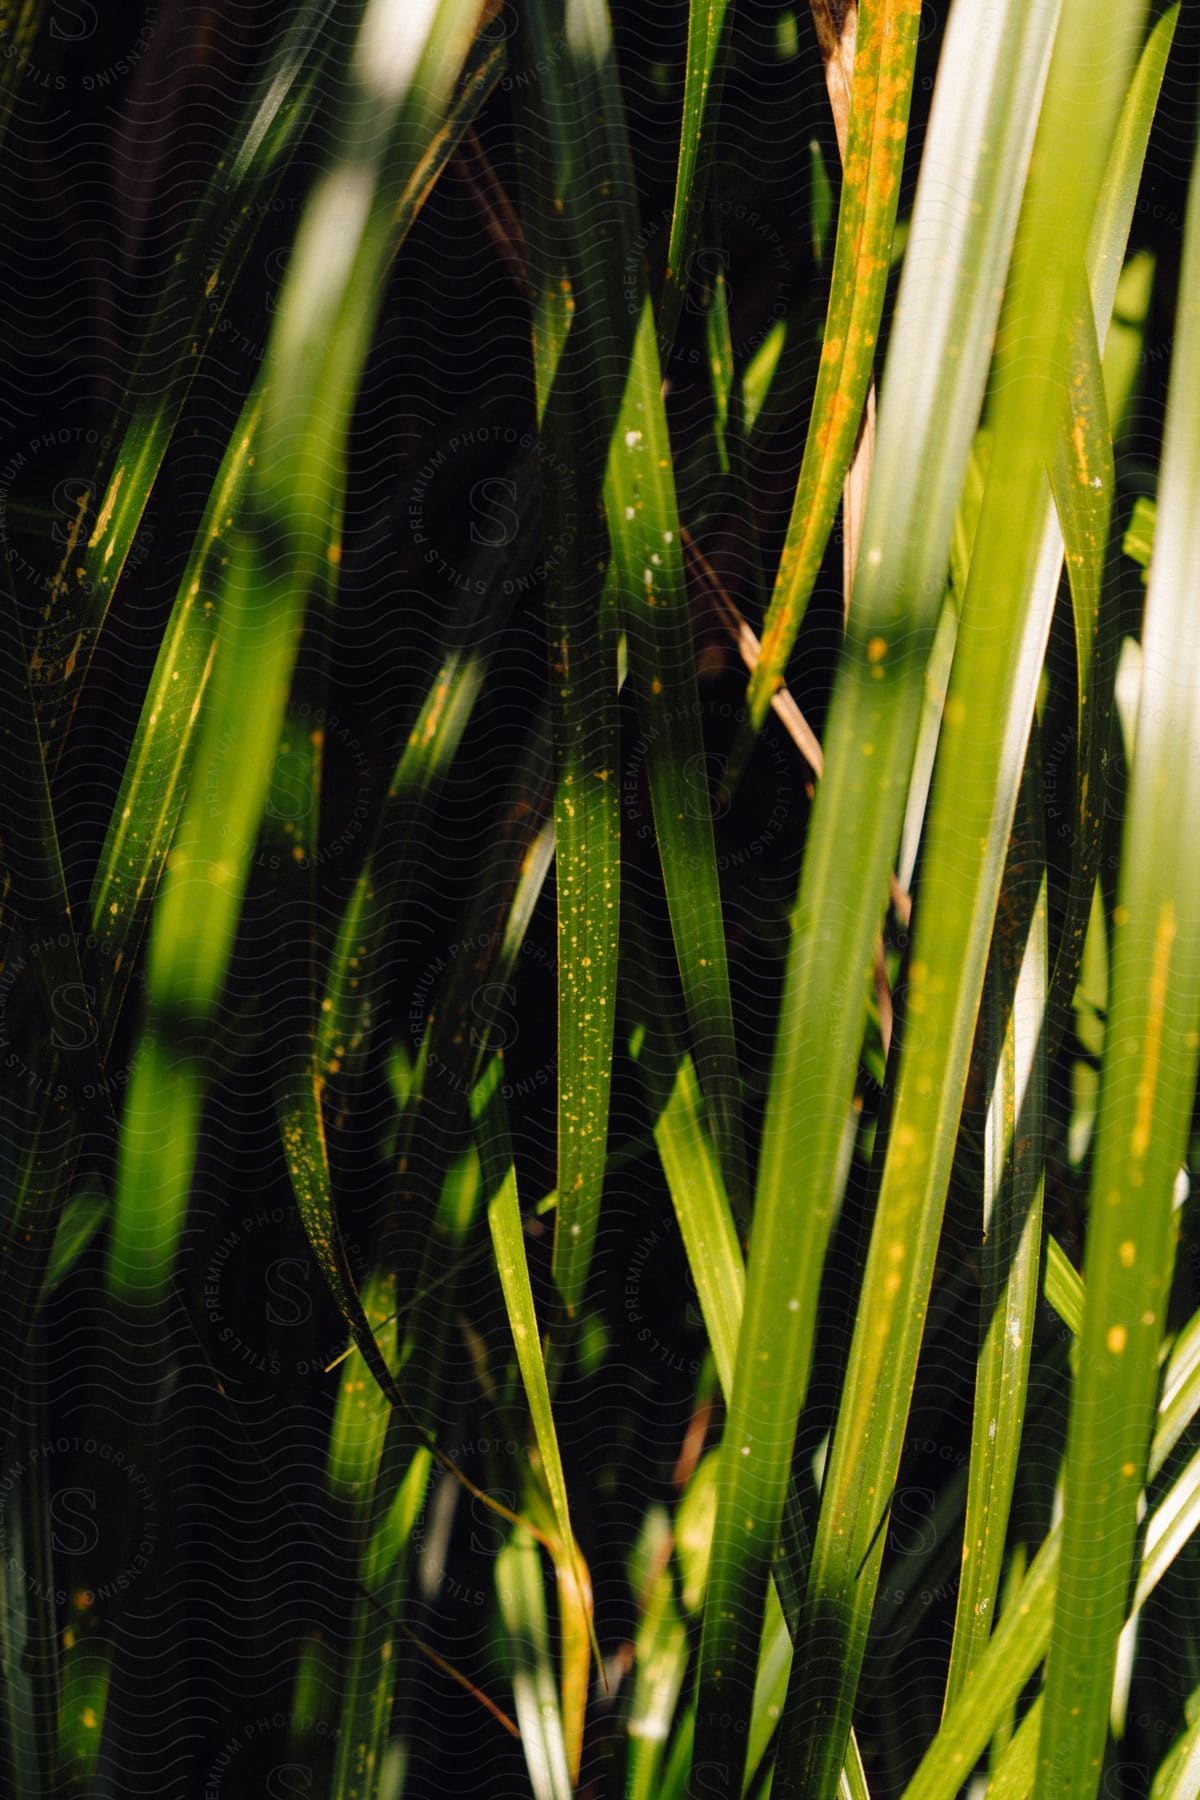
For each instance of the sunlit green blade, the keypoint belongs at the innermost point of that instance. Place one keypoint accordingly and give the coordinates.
(705, 1219)
(452, 1052)
(1083, 480)
(366, 1711)
(1013, 1653)
(884, 56)
(647, 569)
(377, 1465)
(398, 86)
(159, 765)
(937, 674)
(1014, 1575)
(714, 1256)
(196, 918)
(190, 311)
(1123, 179)
(160, 761)
(976, 152)
(1003, 629)
(1171, 1525)
(558, 202)
(707, 57)
(1017, 1770)
(1180, 1399)
(759, 375)
(527, 1642)
(1014, 1021)
(1064, 1288)
(1150, 1060)
(730, 448)
(508, 1241)
(307, 1157)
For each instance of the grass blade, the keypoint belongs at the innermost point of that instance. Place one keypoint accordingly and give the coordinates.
(508, 1239)
(582, 638)
(1014, 1022)
(1148, 1084)
(159, 765)
(884, 57)
(707, 56)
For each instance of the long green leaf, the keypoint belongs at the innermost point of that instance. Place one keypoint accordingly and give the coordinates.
(508, 1240)
(884, 57)
(707, 57)
(159, 765)
(1150, 1060)
(582, 641)
(1014, 1020)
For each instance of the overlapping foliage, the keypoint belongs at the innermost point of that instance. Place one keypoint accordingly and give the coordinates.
(600, 936)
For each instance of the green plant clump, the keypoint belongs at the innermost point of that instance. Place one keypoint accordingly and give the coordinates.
(600, 900)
